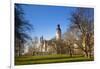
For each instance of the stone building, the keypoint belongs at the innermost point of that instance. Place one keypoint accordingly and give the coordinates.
(58, 46)
(49, 46)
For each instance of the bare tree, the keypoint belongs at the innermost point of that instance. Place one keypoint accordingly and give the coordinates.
(69, 39)
(34, 45)
(83, 19)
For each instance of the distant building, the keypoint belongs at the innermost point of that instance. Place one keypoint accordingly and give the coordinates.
(56, 46)
(48, 45)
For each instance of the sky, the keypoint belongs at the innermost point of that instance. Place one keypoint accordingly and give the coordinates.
(44, 19)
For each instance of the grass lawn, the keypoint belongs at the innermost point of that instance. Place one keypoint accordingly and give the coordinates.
(25, 60)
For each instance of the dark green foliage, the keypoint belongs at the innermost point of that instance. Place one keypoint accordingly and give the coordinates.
(21, 25)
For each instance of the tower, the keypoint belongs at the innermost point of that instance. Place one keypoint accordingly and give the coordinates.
(41, 43)
(58, 32)
(41, 39)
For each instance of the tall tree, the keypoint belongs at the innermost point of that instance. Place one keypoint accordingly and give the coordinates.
(83, 19)
(21, 28)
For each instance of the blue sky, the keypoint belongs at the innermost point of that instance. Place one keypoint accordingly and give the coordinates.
(45, 18)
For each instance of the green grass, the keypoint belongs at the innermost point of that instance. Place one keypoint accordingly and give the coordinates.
(24, 60)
